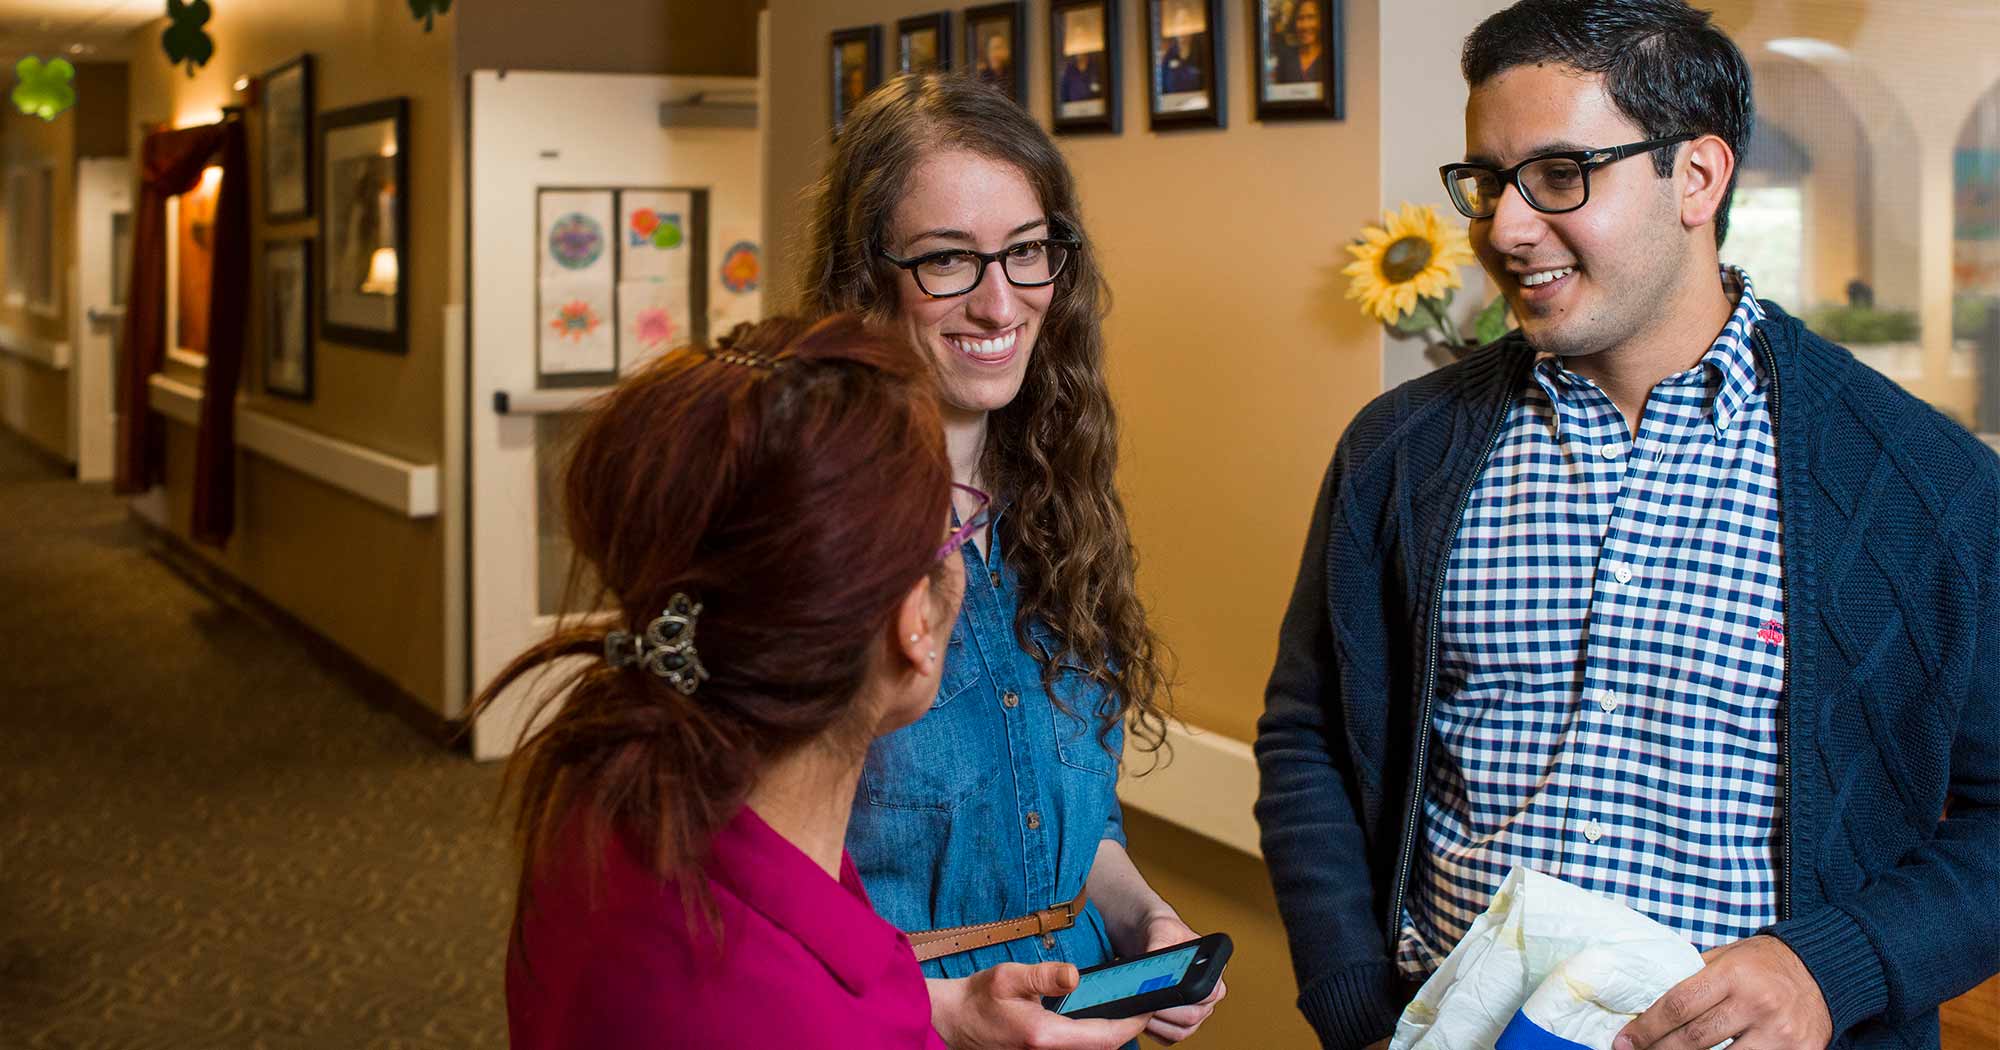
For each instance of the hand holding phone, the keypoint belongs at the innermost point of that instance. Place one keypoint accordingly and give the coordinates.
(1177, 975)
(1000, 1008)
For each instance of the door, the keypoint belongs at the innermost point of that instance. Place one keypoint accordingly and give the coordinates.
(586, 213)
(103, 265)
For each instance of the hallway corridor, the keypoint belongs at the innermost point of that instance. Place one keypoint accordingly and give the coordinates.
(208, 838)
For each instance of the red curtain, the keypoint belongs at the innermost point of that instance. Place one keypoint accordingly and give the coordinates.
(172, 165)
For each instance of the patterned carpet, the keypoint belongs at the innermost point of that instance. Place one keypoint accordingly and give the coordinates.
(207, 839)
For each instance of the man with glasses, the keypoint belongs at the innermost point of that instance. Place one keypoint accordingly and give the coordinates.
(1662, 595)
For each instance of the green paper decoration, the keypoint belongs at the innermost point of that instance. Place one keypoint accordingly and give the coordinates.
(428, 10)
(44, 90)
(186, 42)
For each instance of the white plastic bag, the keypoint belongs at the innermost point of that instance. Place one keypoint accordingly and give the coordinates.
(1512, 955)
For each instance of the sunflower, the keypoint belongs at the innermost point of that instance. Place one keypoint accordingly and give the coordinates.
(1413, 253)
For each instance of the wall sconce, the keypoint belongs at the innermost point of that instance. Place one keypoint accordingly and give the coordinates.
(382, 273)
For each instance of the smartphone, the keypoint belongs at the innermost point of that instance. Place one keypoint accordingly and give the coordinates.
(1177, 975)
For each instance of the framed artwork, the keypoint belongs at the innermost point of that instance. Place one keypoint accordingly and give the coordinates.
(364, 167)
(1083, 65)
(288, 160)
(1184, 74)
(993, 36)
(1298, 60)
(287, 314)
(855, 58)
(923, 43)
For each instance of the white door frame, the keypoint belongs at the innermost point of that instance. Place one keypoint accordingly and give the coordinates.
(530, 130)
(103, 189)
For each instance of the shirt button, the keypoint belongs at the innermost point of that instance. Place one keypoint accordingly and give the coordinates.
(1623, 574)
(995, 577)
(1011, 698)
(1608, 700)
(1034, 820)
(1593, 831)
(1048, 941)
(1608, 452)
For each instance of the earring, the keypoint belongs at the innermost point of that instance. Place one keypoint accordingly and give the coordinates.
(913, 639)
(934, 656)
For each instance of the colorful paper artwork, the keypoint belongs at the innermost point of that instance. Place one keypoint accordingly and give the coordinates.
(653, 317)
(575, 241)
(576, 333)
(740, 267)
(656, 231)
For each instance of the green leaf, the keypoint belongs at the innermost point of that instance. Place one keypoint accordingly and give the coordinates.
(1491, 323)
(184, 40)
(1416, 322)
(44, 90)
(428, 10)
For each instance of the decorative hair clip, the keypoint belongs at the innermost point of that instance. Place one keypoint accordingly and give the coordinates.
(666, 650)
(738, 357)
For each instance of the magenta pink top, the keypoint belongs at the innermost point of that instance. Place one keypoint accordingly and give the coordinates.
(804, 961)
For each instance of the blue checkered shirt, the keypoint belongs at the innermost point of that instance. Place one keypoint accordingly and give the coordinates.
(1612, 657)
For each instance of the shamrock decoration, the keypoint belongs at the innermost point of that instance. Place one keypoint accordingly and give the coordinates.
(184, 39)
(44, 90)
(428, 10)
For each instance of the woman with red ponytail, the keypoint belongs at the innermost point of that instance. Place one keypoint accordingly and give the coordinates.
(770, 523)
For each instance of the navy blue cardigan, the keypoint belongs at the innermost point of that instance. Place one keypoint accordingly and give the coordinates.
(1891, 712)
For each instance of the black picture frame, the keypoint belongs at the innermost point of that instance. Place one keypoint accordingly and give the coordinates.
(938, 24)
(842, 73)
(273, 294)
(352, 312)
(1084, 89)
(1010, 22)
(1284, 90)
(1186, 80)
(286, 104)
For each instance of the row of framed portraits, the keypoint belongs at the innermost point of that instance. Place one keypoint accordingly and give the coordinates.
(1296, 60)
(357, 158)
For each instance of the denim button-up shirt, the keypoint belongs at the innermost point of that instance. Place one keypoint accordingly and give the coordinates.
(992, 805)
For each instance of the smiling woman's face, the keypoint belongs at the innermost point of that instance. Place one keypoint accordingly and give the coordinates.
(981, 340)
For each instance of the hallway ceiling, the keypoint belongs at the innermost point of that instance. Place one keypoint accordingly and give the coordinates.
(79, 30)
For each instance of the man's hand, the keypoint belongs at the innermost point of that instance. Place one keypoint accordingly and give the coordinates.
(1754, 991)
(1001, 1009)
(1172, 1026)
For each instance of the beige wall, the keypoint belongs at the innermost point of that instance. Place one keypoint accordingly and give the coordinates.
(369, 580)
(684, 37)
(1236, 363)
(36, 400)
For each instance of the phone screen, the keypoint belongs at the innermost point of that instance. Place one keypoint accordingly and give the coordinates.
(1134, 978)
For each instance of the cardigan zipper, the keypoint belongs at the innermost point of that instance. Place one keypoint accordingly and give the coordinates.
(1395, 917)
(1785, 687)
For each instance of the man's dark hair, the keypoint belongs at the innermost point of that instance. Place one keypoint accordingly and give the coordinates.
(1665, 65)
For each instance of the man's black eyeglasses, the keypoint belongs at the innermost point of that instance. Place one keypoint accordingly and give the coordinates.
(1552, 183)
(956, 271)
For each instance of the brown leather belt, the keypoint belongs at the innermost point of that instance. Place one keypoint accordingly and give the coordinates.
(950, 940)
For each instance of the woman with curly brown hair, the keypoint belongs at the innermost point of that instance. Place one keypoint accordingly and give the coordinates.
(946, 211)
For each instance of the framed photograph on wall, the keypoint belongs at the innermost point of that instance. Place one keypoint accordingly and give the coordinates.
(1083, 66)
(923, 43)
(855, 59)
(364, 166)
(993, 38)
(1298, 60)
(286, 311)
(287, 109)
(1184, 73)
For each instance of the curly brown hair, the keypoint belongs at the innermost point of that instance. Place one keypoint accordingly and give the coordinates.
(1054, 449)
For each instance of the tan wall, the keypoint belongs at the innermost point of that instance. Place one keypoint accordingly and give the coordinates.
(685, 37)
(367, 579)
(35, 400)
(1235, 363)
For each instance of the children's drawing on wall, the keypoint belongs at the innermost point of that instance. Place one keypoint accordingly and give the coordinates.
(574, 245)
(652, 319)
(575, 335)
(734, 297)
(654, 245)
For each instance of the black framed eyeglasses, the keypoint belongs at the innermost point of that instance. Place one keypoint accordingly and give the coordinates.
(1552, 183)
(956, 271)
